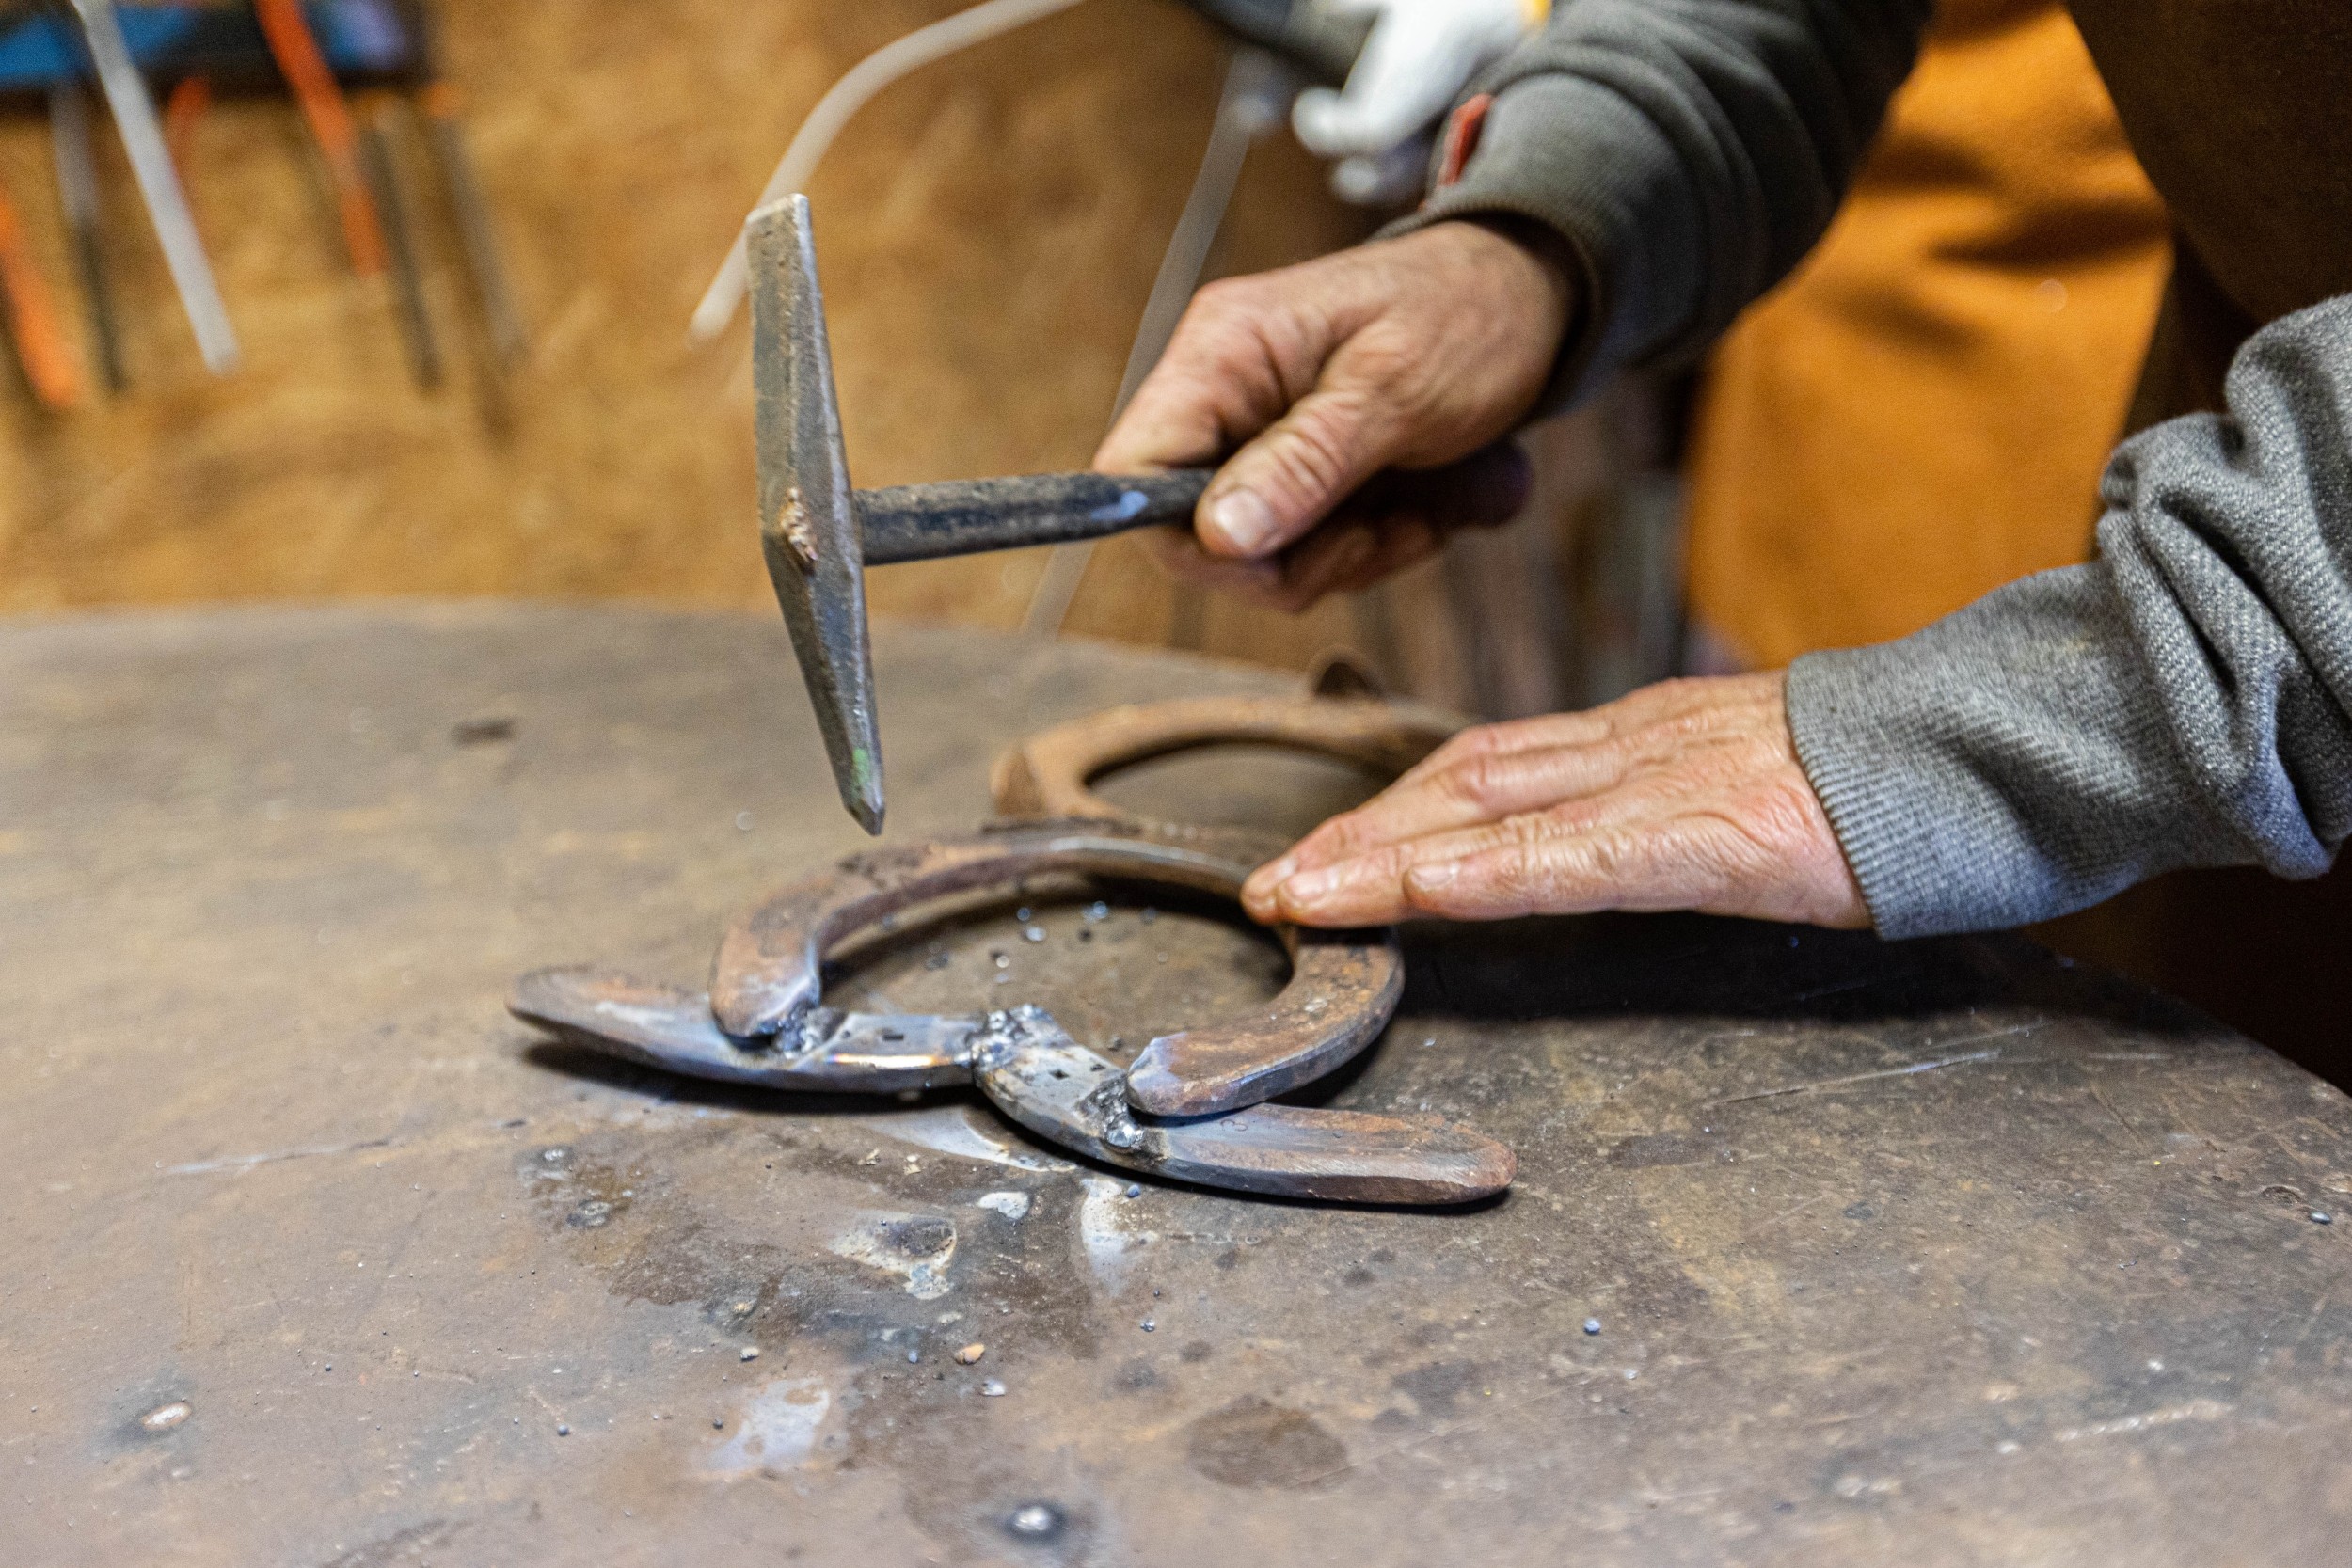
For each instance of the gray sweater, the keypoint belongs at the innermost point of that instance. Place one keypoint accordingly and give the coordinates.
(2180, 700)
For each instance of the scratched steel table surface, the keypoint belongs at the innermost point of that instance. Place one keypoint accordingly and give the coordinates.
(1935, 1254)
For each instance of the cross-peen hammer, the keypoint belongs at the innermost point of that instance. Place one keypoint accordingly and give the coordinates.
(820, 534)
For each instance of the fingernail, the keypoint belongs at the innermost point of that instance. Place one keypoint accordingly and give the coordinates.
(1308, 886)
(1245, 520)
(1274, 872)
(1434, 876)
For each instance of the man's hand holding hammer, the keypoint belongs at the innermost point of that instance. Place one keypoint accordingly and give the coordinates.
(1412, 352)
(1620, 186)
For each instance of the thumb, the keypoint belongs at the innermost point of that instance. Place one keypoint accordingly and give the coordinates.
(1291, 476)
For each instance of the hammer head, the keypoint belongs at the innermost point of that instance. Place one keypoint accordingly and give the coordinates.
(808, 522)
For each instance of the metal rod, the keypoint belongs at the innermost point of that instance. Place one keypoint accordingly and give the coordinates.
(77, 195)
(925, 522)
(383, 172)
(509, 338)
(159, 184)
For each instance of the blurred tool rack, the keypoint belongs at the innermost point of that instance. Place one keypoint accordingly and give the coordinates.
(368, 44)
(318, 52)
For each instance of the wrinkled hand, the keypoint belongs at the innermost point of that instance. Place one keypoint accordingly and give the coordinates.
(1408, 353)
(1683, 796)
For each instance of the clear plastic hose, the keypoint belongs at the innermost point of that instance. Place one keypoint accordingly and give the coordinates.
(842, 101)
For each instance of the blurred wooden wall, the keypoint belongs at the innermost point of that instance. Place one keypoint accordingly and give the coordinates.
(988, 233)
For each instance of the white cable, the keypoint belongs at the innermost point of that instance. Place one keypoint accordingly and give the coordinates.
(843, 99)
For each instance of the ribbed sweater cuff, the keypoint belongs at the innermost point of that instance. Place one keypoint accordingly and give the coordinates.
(2009, 764)
(1876, 827)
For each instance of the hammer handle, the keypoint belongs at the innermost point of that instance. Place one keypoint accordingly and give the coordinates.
(924, 522)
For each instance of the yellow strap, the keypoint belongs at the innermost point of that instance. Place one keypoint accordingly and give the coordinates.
(1538, 12)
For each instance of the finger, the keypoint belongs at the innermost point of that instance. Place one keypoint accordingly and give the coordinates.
(1345, 558)
(1709, 859)
(1762, 850)
(1653, 865)
(1700, 861)
(1175, 551)
(1538, 733)
(1636, 856)
(1353, 833)
(1400, 517)
(1175, 421)
(1368, 889)
(1332, 554)
(1627, 804)
(1397, 544)
(1652, 719)
(1482, 786)
(1486, 489)
(1288, 478)
(1711, 810)
(1381, 874)
(1241, 353)
(1498, 799)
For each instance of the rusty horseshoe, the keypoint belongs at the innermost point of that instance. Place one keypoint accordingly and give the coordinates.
(764, 1023)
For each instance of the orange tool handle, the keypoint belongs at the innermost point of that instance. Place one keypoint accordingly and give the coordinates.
(41, 343)
(314, 87)
(190, 97)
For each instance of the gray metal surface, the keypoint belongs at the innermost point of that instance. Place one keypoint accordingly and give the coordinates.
(1937, 1254)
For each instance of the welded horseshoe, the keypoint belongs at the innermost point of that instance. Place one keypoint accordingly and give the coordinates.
(1343, 985)
(1191, 1107)
(829, 1053)
(1035, 1073)
(1051, 774)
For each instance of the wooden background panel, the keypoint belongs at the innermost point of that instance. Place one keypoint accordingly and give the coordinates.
(988, 233)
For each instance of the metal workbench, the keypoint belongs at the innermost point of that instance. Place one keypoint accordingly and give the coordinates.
(1932, 1253)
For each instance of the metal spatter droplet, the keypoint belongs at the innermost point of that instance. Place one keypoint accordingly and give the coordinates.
(164, 1416)
(1035, 1522)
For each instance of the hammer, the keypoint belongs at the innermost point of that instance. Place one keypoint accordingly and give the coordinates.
(818, 534)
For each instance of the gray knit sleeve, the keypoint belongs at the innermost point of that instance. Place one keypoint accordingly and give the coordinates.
(1686, 152)
(2183, 700)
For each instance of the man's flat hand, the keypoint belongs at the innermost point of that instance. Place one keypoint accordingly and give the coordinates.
(1683, 796)
(1408, 353)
